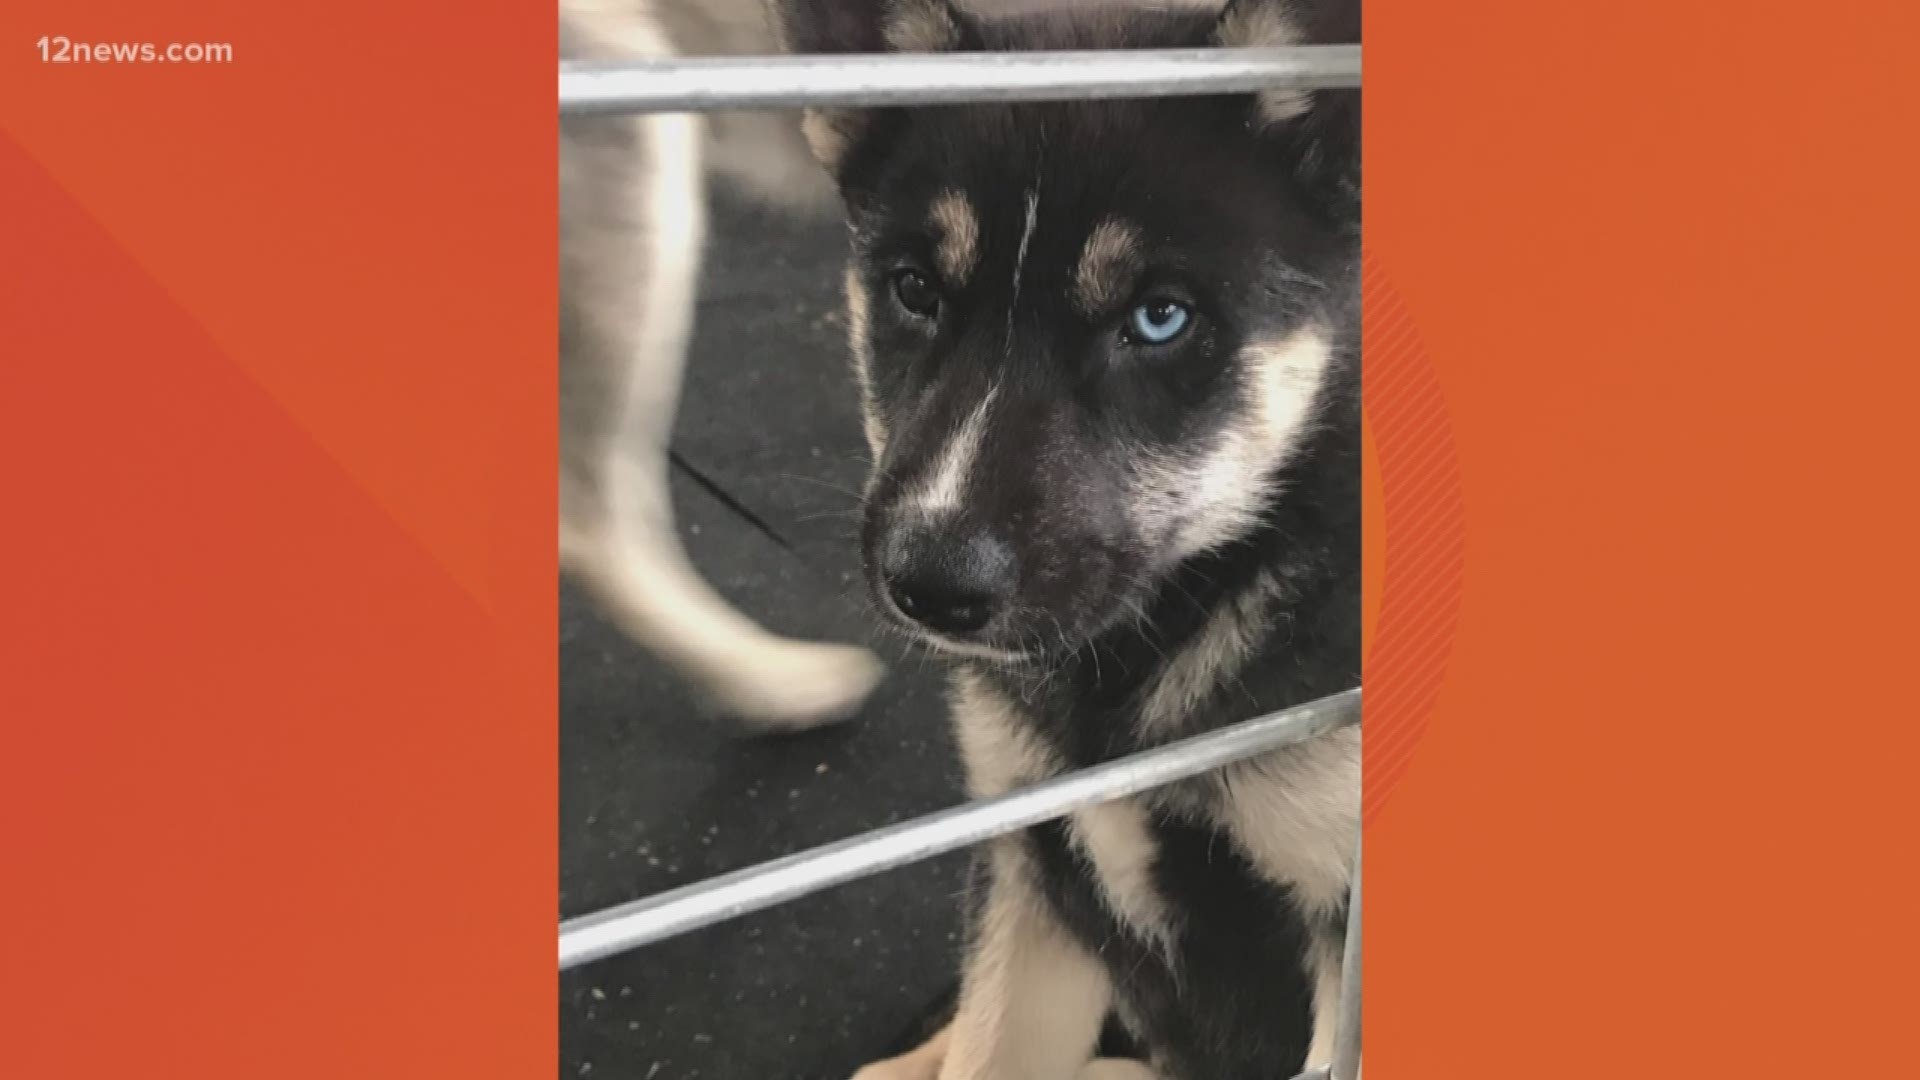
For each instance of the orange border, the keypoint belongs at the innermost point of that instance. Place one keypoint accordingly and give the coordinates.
(1414, 562)
(1657, 261)
(278, 782)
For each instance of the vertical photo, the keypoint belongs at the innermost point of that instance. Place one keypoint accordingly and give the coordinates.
(960, 526)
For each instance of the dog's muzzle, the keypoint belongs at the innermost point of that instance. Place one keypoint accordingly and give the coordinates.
(951, 581)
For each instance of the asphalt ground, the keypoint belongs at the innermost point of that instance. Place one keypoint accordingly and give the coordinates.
(654, 793)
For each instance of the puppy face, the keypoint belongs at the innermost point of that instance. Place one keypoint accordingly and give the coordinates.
(1088, 335)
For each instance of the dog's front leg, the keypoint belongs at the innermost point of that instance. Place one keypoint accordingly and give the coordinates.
(1328, 982)
(1031, 1000)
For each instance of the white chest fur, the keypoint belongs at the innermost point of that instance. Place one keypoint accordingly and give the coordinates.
(1293, 814)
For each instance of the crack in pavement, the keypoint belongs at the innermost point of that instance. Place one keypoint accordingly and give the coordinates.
(726, 498)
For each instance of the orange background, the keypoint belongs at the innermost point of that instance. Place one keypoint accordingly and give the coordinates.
(1661, 258)
(277, 792)
(277, 678)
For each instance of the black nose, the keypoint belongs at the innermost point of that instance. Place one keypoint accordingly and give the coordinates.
(947, 583)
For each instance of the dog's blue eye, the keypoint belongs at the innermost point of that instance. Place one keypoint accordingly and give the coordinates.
(1157, 322)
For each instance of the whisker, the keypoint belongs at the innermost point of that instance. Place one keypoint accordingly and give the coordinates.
(816, 481)
(845, 515)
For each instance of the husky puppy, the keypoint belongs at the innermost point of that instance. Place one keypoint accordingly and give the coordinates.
(1108, 353)
(632, 227)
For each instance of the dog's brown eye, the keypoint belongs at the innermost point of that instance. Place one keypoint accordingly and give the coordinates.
(916, 293)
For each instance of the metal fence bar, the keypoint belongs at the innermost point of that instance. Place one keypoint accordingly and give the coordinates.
(692, 907)
(1346, 1042)
(861, 80)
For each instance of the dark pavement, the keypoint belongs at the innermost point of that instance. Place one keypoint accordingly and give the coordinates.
(653, 794)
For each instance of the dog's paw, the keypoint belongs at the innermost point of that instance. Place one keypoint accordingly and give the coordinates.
(922, 1063)
(1116, 1069)
(899, 1069)
(795, 685)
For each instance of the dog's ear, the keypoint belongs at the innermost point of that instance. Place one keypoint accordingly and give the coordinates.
(865, 26)
(1321, 128)
(859, 26)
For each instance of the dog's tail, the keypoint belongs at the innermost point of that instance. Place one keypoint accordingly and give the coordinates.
(760, 155)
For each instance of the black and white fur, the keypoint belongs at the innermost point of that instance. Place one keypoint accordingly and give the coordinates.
(1124, 542)
(632, 229)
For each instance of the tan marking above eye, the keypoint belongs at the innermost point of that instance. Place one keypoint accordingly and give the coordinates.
(1108, 264)
(958, 228)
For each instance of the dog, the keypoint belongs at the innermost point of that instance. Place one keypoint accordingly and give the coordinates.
(632, 230)
(1107, 354)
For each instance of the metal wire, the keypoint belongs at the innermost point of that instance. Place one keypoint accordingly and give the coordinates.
(862, 80)
(691, 907)
(1346, 1037)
